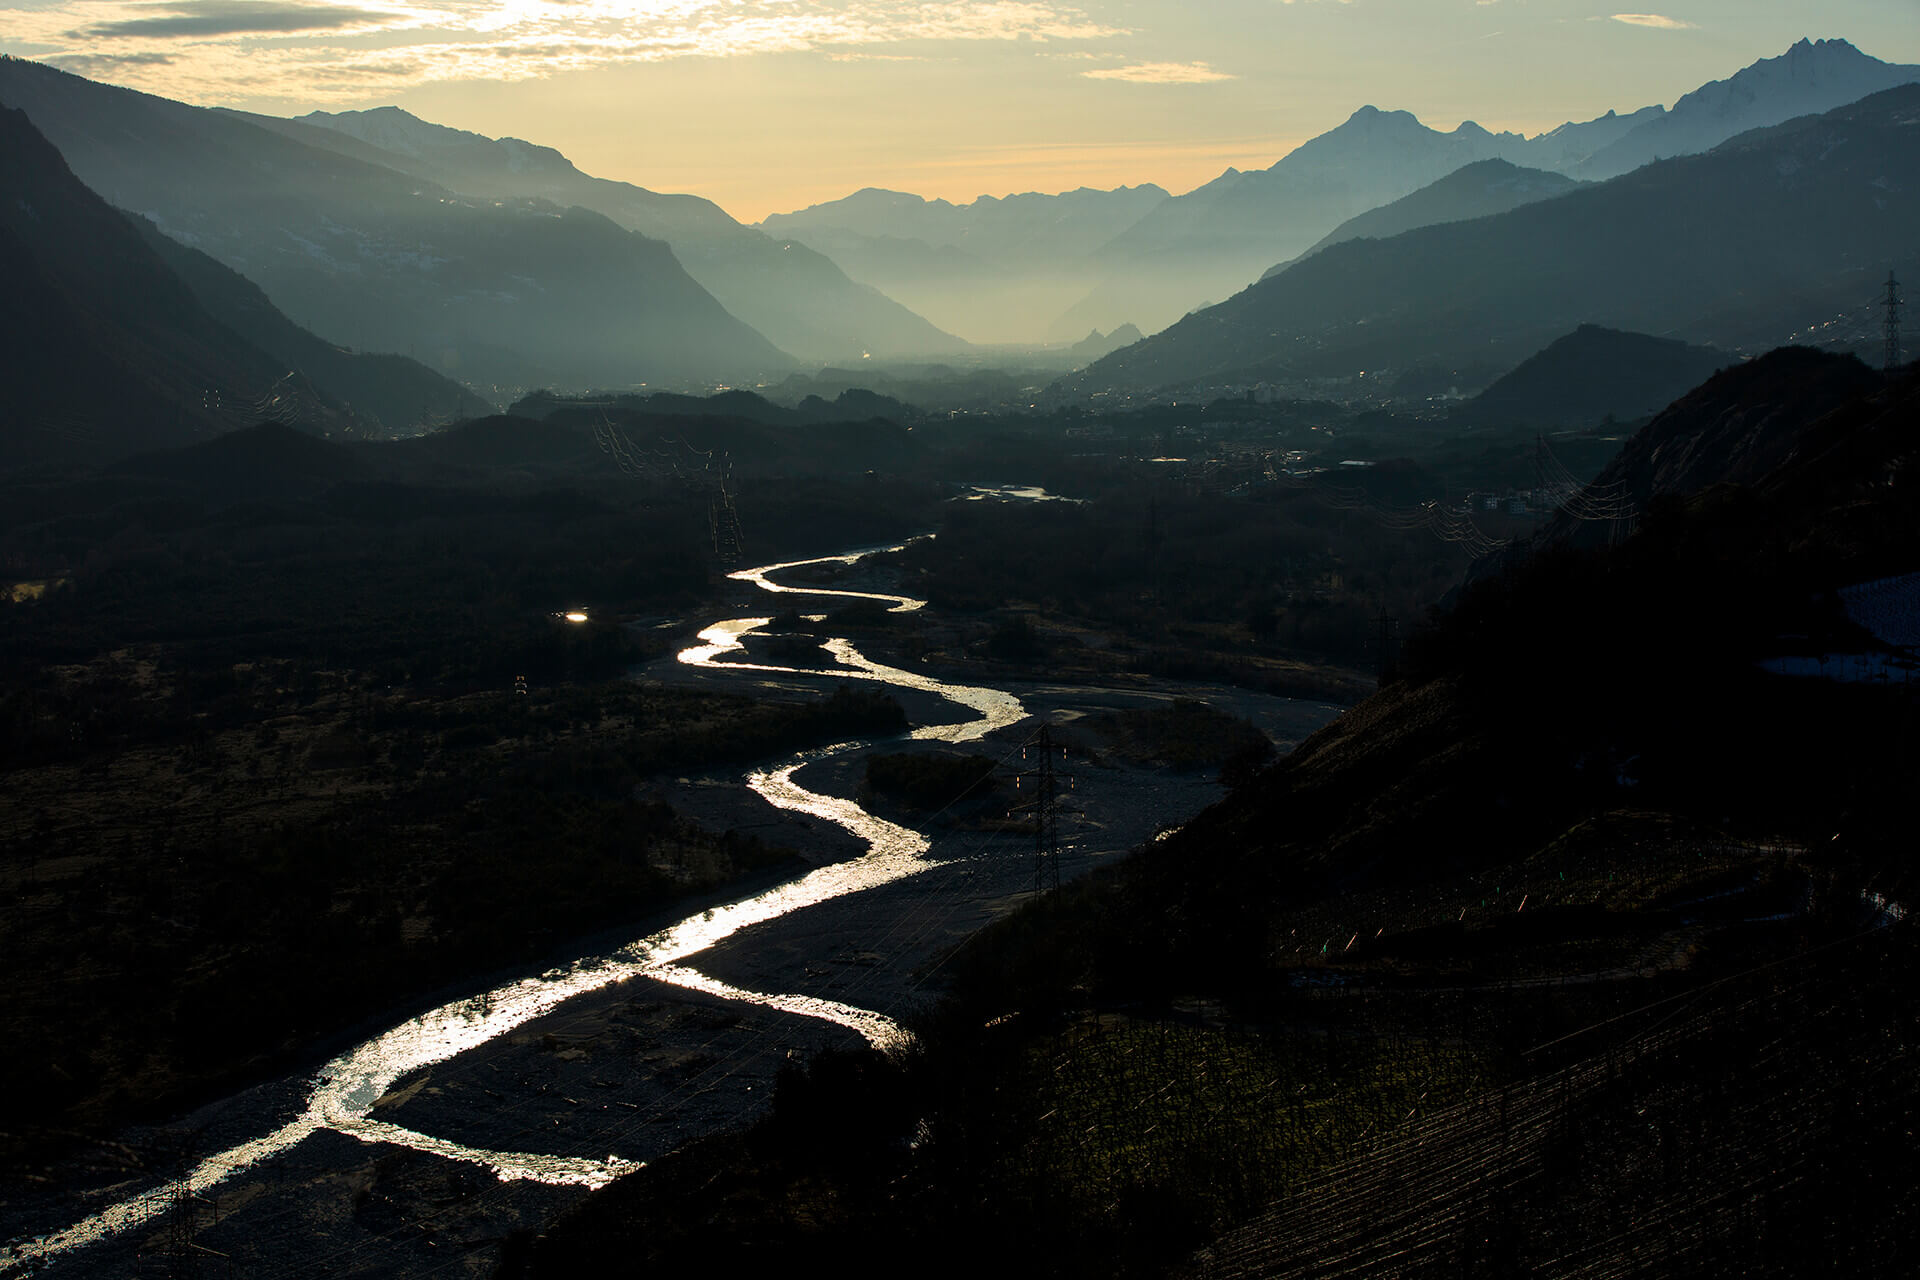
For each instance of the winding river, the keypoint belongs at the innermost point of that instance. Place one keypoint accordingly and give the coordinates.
(342, 1096)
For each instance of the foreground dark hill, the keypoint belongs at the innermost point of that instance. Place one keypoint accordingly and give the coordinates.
(264, 463)
(108, 351)
(1770, 234)
(516, 293)
(798, 298)
(1593, 374)
(1757, 496)
(1577, 949)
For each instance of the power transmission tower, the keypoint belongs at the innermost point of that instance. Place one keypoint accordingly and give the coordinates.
(185, 1256)
(1046, 782)
(723, 517)
(1893, 303)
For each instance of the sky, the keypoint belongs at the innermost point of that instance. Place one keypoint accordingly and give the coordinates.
(771, 105)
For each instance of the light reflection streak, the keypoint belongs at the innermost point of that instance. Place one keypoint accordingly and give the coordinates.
(758, 577)
(346, 1090)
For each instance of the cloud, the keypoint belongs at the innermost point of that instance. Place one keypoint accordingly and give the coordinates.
(108, 64)
(1659, 20)
(1160, 73)
(310, 51)
(203, 18)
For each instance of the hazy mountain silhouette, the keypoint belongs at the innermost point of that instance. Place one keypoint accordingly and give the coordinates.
(796, 297)
(1212, 241)
(495, 292)
(108, 351)
(1809, 78)
(389, 394)
(1593, 374)
(1097, 344)
(1744, 247)
(995, 269)
(1471, 191)
(1572, 143)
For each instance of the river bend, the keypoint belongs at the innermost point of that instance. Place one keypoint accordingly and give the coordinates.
(342, 1097)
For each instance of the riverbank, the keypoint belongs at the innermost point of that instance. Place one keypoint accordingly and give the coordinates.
(184, 921)
(569, 1074)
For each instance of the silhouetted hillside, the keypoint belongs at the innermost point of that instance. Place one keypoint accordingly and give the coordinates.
(1471, 191)
(851, 405)
(108, 351)
(1759, 494)
(259, 463)
(1593, 374)
(503, 442)
(1738, 427)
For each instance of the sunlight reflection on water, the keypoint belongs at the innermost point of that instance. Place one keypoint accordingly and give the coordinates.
(347, 1088)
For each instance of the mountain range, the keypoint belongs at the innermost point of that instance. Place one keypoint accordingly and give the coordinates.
(798, 298)
(120, 340)
(1743, 247)
(983, 269)
(1208, 243)
(496, 292)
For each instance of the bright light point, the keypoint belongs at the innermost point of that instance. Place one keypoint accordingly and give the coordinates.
(575, 617)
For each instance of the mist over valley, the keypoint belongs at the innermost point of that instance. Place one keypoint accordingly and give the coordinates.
(1353, 716)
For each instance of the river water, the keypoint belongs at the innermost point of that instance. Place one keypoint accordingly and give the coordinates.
(417, 1150)
(342, 1097)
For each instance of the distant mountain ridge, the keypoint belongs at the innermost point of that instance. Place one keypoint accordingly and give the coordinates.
(503, 292)
(1811, 77)
(1214, 240)
(1742, 247)
(799, 299)
(995, 269)
(1024, 229)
